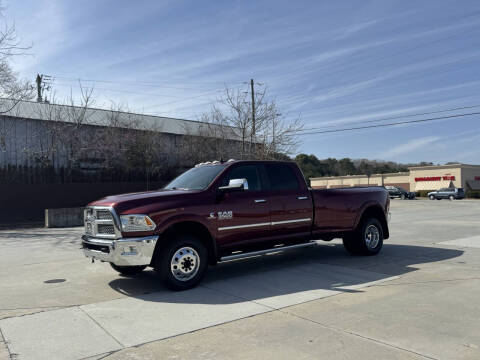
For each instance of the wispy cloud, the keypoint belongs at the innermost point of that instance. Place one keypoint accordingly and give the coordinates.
(410, 146)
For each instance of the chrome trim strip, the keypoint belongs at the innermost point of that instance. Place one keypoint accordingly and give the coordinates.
(262, 252)
(242, 226)
(290, 221)
(97, 241)
(302, 197)
(263, 224)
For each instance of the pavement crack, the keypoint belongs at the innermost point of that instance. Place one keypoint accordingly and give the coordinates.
(351, 333)
(358, 335)
(46, 309)
(101, 327)
(11, 355)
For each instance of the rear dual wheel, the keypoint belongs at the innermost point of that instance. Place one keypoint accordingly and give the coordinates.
(366, 240)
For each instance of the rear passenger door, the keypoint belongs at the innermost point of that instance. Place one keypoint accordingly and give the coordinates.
(291, 205)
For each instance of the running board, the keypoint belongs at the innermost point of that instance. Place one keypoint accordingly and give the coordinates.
(266, 251)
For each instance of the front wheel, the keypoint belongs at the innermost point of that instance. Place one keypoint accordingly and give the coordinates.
(128, 270)
(366, 240)
(451, 197)
(402, 197)
(432, 197)
(182, 263)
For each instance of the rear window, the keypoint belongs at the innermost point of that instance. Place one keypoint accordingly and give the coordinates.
(282, 177)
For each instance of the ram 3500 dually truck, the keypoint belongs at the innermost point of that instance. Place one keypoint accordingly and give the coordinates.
(220, 211)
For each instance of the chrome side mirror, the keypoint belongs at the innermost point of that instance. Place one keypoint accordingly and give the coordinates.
(235, 185)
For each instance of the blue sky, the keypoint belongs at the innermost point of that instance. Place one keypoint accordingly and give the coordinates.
(330, 62)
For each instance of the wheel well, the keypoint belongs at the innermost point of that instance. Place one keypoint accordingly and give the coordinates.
(192, 228)
(376, 212)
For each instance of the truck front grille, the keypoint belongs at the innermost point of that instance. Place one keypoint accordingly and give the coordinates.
(99, 222)
(106, 229)
(104, 215)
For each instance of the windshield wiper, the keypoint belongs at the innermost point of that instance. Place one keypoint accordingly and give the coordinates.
(178, 188)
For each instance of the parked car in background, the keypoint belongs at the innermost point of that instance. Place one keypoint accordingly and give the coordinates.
(447, 193)
(398, 192)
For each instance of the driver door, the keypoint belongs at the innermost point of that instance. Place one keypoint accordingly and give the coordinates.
(243, 217)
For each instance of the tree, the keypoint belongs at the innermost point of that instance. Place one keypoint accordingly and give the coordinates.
(11, 87)
(273, 136)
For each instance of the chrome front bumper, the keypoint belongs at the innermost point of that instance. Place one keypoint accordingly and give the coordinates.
(121, 252)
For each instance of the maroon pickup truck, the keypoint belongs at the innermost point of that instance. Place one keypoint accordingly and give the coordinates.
(220, 211)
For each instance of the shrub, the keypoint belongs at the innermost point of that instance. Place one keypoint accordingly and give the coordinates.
(474, 194)
(422, 193)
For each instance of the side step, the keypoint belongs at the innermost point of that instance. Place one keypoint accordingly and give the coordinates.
(266, 251)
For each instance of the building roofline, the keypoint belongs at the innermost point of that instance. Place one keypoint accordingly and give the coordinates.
(446, 166)
(100, 109)
(404, 173)
(100, 117)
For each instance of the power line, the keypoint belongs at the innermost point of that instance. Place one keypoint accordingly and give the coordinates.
(389, 124)
(185, 99)
(392, 117)
(156, 95)
(121, 91)
(144, 83)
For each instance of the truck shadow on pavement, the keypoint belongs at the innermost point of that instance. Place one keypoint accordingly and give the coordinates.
(324, 270)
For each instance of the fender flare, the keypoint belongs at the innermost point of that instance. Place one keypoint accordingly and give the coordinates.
(373, 205)
(192, 218)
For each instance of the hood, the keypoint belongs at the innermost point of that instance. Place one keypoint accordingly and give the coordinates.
(142, 202)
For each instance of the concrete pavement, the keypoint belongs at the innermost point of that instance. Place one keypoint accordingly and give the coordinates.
(417, 299)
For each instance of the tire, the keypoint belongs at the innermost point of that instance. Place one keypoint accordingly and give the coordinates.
(451, 197)
(128, 270)
(182, 262)
(367, 239)
(402, 197)
(432, 197)
(350, 243)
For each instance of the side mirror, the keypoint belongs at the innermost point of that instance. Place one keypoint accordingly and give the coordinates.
(235, 185)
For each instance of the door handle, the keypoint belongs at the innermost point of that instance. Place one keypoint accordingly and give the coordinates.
(259, 201)
(302, 197)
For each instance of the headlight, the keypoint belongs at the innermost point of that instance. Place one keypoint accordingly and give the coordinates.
(136, 223)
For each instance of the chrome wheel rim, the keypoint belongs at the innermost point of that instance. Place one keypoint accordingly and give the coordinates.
(372, 236)
(185, 263)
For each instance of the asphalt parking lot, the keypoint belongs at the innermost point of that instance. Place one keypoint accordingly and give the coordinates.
(418, 299)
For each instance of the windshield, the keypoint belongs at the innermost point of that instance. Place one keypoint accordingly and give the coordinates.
(196, 178)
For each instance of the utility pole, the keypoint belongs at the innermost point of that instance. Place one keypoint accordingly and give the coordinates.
(253, 106)
(43, 83)
(39, 88)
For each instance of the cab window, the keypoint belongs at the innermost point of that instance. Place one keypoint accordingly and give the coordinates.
(249, 172)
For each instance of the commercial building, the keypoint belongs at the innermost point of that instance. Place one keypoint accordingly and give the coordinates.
(416, 179)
